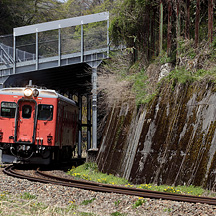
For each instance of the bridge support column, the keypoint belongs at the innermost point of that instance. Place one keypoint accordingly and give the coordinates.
(88, 122)
(80, 126)
(94, 107)
(92, 152)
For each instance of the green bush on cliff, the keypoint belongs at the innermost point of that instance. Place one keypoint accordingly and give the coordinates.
(140, 84)
(181, 75)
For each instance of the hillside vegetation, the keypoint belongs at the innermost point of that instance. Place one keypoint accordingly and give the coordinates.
(172, 39)
(169, 41)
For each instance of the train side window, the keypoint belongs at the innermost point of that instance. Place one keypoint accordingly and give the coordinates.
(45, 112)
(26, 111)
(8, 109)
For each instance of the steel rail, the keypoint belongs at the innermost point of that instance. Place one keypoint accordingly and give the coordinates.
(98, 187)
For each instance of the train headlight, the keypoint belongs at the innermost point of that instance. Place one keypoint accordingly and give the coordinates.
(28, 92)
(35, 92)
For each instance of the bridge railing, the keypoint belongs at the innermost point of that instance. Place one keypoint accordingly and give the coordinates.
(6, 51)
(56, 39)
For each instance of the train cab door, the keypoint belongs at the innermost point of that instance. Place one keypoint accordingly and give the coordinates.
(25, 122)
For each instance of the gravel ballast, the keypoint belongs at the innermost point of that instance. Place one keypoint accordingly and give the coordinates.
(102, 203)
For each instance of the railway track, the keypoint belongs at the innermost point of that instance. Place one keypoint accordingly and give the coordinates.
(98, 187)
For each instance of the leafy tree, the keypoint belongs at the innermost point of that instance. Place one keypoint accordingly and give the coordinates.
(210, 20)
(16, 13)
(131, 24)
(173, 19)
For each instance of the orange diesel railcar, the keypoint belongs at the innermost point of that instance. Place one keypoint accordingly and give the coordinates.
(36, 125)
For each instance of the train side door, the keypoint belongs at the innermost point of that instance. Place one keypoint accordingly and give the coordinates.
(25, 122)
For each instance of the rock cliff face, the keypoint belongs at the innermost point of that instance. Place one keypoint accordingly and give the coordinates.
(171, 140)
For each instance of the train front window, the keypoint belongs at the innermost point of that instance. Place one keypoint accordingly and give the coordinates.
(8, 109)
(26, 111)
(45, 112)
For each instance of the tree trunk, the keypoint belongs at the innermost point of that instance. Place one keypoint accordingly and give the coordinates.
(210, 20)
(178, 28)
(197, 23)
(161, 27)
(153, 51)
(187, 21)
(148, 21)
(169, 30)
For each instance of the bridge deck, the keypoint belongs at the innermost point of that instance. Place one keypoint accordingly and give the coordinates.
(84, 49)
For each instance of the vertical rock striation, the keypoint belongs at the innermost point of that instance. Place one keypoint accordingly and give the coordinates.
(171, 140)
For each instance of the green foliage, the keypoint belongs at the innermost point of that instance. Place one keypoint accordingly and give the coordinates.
(86, 214)
(90, 167)
(92, 170)
(38, 205)
(202, 73)
(89, 171)
(28, 196)
(117, 214)
(186, 48)
(140, 86)
(167, 210)
(139, 202)
(191, 190)
(181, 75)
(3, 196)
(117, 202)
(171, 190)
(26, 12)
(163, 58)
(86, 202)
(140, 81)
(129, 24)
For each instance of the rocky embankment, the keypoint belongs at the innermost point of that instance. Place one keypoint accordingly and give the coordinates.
(171, 140)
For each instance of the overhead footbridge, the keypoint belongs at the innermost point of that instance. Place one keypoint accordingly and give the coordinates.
(63, 55)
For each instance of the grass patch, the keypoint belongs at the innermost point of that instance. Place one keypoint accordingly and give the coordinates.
(117, 202)
(26, 204)
(85, 214)
(167, 210)
(181, 75)
(190, 190)
(141, 86)
(139, 202)
(86, 202)
(89, 171)
(117, 214)
(27, 196)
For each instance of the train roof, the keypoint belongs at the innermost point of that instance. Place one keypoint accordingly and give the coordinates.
(43, 93)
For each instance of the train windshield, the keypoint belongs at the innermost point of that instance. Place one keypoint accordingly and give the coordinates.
(26, 111)
(45, 112)
(8, 109)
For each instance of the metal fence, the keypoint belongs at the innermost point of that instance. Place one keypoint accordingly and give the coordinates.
(56, 38)
(6, 52)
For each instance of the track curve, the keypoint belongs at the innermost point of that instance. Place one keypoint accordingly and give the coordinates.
(98, 187)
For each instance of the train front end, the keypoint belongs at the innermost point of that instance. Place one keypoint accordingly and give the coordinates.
(27, 125)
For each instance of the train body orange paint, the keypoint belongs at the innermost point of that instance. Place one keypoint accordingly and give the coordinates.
(37, 125)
